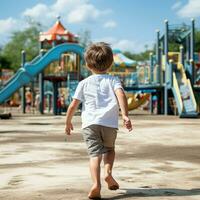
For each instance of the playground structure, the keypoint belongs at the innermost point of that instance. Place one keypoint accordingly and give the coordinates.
(172, 78)
(49, 69)
(178, 76)
(54, 73)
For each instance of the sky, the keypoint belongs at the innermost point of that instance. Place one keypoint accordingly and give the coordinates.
(128, 25)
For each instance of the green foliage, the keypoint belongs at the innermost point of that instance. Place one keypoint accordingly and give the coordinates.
(4, 62)
(197, 41)
(174, 47)
(143, 56)
(27, 40)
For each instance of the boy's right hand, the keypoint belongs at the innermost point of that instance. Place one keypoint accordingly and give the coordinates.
(68, 128)
(127, 123)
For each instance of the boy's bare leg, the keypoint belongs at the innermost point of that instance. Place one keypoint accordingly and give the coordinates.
(95, 170)
(109, 158)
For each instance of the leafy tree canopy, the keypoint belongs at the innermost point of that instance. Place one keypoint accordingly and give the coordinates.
(27, 40)
(143, 56)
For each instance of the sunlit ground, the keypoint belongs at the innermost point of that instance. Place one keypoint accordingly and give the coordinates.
(160, 159)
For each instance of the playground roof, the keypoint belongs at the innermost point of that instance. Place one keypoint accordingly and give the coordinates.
(57, 33)
(120, 60)
(178, 32)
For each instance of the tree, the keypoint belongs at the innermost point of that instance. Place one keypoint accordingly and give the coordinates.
(22, 40)
(4, 63)
(143, 56)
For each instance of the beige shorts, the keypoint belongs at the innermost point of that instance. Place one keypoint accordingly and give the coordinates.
(99, 139)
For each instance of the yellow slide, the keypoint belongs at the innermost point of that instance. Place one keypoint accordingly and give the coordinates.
(136, 100)
(183, 93)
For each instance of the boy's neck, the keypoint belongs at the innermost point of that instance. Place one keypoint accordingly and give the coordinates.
(100, 73)
(97, 72)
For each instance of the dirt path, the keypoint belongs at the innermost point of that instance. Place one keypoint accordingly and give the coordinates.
(159, 160)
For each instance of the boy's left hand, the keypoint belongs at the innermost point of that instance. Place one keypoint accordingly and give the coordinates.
(127, 123)
(68, 128)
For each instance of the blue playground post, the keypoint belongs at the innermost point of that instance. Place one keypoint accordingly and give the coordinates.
(166, 66)
(151, 103)
(151, 67)
(192, 43)
(188, 47)
(23, 91)
(158, 58)
(55, 96)
(41, 88)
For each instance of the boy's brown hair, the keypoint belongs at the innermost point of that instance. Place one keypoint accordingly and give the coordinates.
(99, 56)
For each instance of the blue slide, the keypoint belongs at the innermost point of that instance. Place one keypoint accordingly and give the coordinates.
(24, 75)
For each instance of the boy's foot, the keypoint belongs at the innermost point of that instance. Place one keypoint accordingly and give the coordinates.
(112, 183)
(94, 193)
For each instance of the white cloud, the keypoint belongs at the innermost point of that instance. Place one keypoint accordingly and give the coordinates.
(124, 44)
(128, 45)
(110, 24)
(177, 5)
(7, 27)
(191, 9)
(36, 11)
(63, 6)
(41, 13)
(83, 13)
(72, 11)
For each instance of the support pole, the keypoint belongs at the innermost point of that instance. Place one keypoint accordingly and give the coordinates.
(170, 73)
(161, 99)
(166, 47)
(193, 72)
(192, 43)
(158, 58)
(55, 96)
(23, 92)
(151, 67)
(181, 55)
(192, 39)
(41, 88)
(188, 48)
(49, 102)
(151, 103)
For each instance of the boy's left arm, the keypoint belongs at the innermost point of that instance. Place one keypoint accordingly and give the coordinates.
(122, 100)
(70, 113)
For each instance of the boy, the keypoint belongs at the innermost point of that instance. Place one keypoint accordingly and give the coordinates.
(100, 95)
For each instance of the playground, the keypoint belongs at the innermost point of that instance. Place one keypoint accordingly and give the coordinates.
(160, 160)
(168, 82)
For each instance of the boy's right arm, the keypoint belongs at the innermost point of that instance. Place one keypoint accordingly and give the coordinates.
(121, 97)
(70, 113)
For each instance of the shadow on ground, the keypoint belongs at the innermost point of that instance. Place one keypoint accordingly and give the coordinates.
(129, 193)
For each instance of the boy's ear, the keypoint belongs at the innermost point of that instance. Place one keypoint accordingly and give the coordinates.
(89, 67)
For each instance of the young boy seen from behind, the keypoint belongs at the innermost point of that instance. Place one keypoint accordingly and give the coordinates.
(101, 96)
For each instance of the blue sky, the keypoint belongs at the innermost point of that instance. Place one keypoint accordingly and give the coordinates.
(126, 24)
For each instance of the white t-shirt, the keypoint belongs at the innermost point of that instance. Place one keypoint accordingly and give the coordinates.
(99, 103)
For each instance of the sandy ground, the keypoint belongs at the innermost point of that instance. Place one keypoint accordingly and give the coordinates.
(160, 159)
